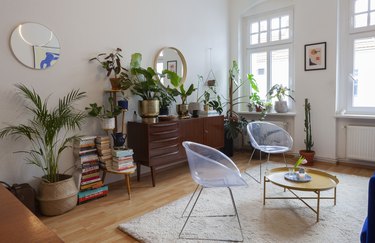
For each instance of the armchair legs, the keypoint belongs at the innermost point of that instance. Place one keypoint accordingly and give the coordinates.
(260, 165)
(181, 236)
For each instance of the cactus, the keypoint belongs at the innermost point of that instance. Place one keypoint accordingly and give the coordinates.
(308, 140)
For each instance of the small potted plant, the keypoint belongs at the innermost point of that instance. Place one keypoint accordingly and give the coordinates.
(112, 64)
(107, 116)
(179, 90)
(280, 92)
(308, 153)
(165, 100)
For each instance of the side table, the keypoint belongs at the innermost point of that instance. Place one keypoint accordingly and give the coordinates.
(126, 175)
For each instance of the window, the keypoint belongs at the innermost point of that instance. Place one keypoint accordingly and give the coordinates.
(269, 49)
(356, 81)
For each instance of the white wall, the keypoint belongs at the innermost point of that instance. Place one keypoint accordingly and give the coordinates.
(314, 21)
(88, 27)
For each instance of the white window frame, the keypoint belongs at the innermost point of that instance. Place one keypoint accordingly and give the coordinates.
(268, 47)
(348, 34)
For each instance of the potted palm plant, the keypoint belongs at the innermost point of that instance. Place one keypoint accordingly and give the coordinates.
(280, 92)
(46, 132)
(112, 64)
(308, 153)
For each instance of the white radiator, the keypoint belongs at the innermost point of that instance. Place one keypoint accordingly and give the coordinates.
(360, 142)
(246, 139)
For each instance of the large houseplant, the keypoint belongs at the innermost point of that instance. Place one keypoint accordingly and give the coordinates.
(308, 153)
(146, 84)
(280, 92)
(46, 132)
(111, 62)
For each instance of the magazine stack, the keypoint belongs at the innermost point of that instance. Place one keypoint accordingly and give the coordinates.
(122, 160)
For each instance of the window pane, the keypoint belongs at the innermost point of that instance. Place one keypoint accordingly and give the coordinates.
(372, 4)
(275, 35)
(363, 73)
(254, 39)
(280, 67)
(360, 20)
(284, 34)
(275, 23)
(263, 25)
(285, 21)
(361, 6)
(263, 37)
(259, 70)
(372, 18)
(254, 27)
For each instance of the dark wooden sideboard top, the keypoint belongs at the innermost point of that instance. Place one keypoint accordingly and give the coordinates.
(19, 224)
(158, 144)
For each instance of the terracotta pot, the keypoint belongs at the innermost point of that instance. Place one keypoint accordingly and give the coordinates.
(58, 197)
(309, 156)
(115, 83)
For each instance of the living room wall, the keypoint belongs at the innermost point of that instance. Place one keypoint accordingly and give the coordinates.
(88, 27)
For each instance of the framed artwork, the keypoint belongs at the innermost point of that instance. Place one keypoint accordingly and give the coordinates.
(315, 56)
(172, 66)
(45, 56)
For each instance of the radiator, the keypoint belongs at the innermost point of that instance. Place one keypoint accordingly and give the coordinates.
(360, 142)
(246, 139)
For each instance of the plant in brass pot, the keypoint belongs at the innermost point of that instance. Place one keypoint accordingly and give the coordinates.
(308, 153)
(146, 84)
(280, 92)
(179, 90)
(112, 64)
(47, 133)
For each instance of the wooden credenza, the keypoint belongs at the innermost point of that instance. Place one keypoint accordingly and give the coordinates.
(160, 143)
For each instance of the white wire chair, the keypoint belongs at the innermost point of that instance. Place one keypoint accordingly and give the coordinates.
(270, 139)
(211, 168)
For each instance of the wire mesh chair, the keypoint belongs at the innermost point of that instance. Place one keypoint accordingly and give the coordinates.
(270, 139)
(211, 168)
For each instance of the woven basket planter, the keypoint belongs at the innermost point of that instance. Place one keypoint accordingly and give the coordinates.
(58, 197)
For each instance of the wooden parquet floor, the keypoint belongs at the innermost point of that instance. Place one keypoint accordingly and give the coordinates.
(97, 220)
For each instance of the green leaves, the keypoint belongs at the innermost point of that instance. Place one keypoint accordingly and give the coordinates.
(46, 129)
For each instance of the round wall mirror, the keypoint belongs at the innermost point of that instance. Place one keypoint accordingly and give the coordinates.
(35, 46)
(170, 58)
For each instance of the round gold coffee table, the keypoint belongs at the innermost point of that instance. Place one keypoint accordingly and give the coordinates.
(320, 181)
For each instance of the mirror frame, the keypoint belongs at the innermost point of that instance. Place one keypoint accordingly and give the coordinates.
(183, 60)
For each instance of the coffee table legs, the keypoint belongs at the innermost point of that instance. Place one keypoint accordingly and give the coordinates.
(318, 198)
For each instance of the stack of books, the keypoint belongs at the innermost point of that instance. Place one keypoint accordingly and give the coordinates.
(122, 160)
(103, 144)
(88, 195)
(88, 174)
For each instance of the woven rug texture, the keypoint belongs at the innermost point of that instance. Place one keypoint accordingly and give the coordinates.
(281, 220)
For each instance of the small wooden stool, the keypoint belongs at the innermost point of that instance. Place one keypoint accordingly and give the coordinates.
(126, 175)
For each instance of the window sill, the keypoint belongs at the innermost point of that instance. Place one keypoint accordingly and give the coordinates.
(268, 114)
(354, 116)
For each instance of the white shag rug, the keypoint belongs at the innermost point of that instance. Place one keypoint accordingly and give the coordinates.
(281, 220)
